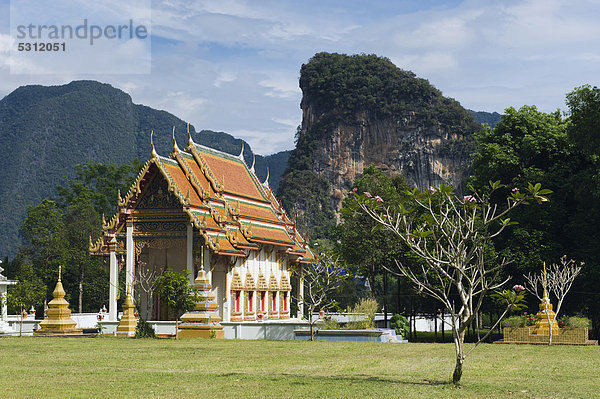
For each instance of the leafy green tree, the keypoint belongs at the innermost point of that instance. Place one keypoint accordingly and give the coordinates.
(29, 291)
(174, 290)
(368, 250)
(44, 232)
(81, 222)
(100, 184)
(584, 107)
(529, 145)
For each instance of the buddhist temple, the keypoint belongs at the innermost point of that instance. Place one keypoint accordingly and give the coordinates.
(58, 320)
(205, 212)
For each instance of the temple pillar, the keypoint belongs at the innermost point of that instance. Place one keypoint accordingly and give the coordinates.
(190, 253)
(114, 281)
(129, 258)
(227, 304)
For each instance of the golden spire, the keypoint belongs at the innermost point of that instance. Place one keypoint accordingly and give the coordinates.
(154, 154)
(59, 271)
(175, 148)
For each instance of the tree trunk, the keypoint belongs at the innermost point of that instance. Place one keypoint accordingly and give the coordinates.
(435, 323)
(385, 307)
(81, 289)
(311, 323)
(459, 339)
(398, 295)
(443, 327)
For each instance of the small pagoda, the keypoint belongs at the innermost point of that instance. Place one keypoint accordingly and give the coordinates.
(128, 322)
(58, 320)
(203, 321)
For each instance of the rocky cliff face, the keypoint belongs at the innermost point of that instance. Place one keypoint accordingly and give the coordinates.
(362, 109)
(426, 154)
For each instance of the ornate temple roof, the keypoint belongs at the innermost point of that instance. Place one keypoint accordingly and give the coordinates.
(221, 196)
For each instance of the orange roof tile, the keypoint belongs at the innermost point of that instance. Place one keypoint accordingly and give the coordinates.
(237, 177)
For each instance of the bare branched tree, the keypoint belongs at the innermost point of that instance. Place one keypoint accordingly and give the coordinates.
(451, 236)
(557, 280)
(144, 279)
(320, 281)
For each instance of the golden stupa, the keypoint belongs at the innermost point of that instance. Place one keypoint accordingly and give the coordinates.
(545, 313)
(203, 321)
(58, 319)
(128, 322)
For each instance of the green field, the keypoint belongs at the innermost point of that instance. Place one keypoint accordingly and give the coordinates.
(121, 367)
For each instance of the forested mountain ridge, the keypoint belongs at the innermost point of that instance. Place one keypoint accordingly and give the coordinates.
(46, 130)
(362, 109)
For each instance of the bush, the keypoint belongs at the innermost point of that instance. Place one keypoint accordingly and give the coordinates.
(529, 319)
(144, 330)
(400, 324)
(367, 307)
(578, 322)
(513, 321)
(329, 324)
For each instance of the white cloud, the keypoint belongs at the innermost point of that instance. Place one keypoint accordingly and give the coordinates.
(282, 87)
(233, 65)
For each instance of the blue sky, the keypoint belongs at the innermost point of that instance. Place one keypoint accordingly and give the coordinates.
(233, 65)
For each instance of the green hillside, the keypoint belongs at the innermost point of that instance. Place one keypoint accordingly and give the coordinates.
(45, 131)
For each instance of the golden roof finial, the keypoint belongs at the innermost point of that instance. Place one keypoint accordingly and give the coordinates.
(241, 156)
(266, 183)
(59, 271)
(253, 161)
(154, 154)
(175, 148)
(190, 141)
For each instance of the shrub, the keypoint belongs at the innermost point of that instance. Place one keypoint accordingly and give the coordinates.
(529, 319)
(400, 324)
(329, 324)
(513, 321)
(578, 322)
(144, 330)
(366, 307)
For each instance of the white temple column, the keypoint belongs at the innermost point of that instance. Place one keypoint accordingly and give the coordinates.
(227, 304)
(301, 292)
(207, 266)
(114, 282)
(190, 253)
(129, 258)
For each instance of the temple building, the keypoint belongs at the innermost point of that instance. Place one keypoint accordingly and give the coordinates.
(203, 209)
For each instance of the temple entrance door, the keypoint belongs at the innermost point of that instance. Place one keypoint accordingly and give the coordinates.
(218, 281)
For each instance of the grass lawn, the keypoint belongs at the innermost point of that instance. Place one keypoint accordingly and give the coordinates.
(120, 367)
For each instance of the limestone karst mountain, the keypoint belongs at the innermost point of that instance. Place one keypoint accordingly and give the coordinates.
(362, 109)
